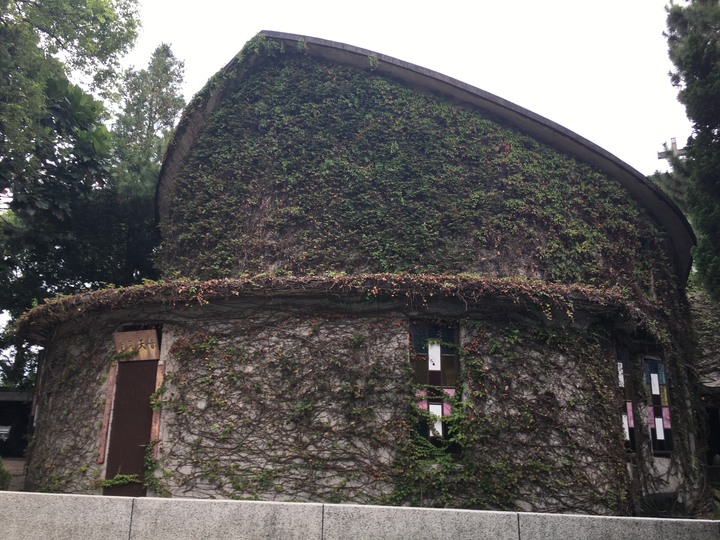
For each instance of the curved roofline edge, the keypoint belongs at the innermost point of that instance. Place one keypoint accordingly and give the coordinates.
(658, 205)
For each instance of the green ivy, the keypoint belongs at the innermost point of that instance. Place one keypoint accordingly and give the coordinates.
(310, 167)
(300, 420)
(506, 398)
(152, 470)
(120, 480)
(5, 478)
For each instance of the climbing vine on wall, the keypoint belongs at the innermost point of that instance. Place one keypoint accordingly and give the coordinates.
(290, 408)
(71, 395)
(321, 408)
(309, 179)
(533, 430)
(309, 166)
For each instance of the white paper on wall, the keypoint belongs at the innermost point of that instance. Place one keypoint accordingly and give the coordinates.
(433, 357)
(659, 430)
(436, 409)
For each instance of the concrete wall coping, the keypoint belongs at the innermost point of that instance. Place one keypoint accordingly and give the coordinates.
(42, 516)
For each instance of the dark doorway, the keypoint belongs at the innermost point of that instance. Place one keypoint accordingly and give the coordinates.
(713, 432)
(14, 422)
(131, 426)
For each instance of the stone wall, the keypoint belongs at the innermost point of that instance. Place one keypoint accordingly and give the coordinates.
(294, 399)
(47, 517)
(285, 406)
(70, 394)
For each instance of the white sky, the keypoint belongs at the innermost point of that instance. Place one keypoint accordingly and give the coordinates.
(599, 69)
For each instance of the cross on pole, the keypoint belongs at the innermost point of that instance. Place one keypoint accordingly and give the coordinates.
(673, 151)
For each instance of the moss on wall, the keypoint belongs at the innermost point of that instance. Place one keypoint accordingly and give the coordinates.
(311, 167)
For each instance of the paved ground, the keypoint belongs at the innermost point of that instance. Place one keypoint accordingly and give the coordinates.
(16, 467)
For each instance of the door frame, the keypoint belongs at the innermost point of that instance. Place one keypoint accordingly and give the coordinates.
(131, 346)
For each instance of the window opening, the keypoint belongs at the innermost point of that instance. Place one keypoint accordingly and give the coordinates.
(659, 406)
(625, 382)
(435, 358)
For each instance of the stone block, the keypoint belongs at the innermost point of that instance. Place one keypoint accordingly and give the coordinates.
(398, 523)
(565, 527)
(174, 519)
(49, 517)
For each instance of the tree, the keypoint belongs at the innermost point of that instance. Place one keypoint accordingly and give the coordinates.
(151, 104)
(94, 225)
(694, 46)
(52, 142)
(72, 219)
(50, 181)
(675, 182)
(90, 36)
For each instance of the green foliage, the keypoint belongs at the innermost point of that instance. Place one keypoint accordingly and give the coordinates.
(53, 177)
(520, 428)
(694, 46)
(60, 482)
(278, 415)
(82, 213)
(357, 341)
(151, 470)
(120, 480)
(293, 413)
(51, 132)
(89, 35)
(706, 330)
(66, 159)
(675, 183)
(151, 103)
(64, 457)
(309, 166)
(5, 478)
(54, 147)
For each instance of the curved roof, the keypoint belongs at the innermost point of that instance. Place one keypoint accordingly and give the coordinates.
(649, 196)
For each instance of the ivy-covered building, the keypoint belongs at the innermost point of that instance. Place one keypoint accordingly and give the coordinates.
(383, 286)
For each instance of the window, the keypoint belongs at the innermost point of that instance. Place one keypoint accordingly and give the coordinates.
(659, 406)
(435, 357)
(658, 409)
(625, 381)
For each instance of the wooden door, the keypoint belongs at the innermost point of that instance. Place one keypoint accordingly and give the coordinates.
(131, 425)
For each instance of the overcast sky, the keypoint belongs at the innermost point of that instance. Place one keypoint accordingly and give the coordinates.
(598, 68)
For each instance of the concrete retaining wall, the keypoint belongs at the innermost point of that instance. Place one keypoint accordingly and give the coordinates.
(30, 516)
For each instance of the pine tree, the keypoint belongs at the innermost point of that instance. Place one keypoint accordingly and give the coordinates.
(694, 45)
(151, 104)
